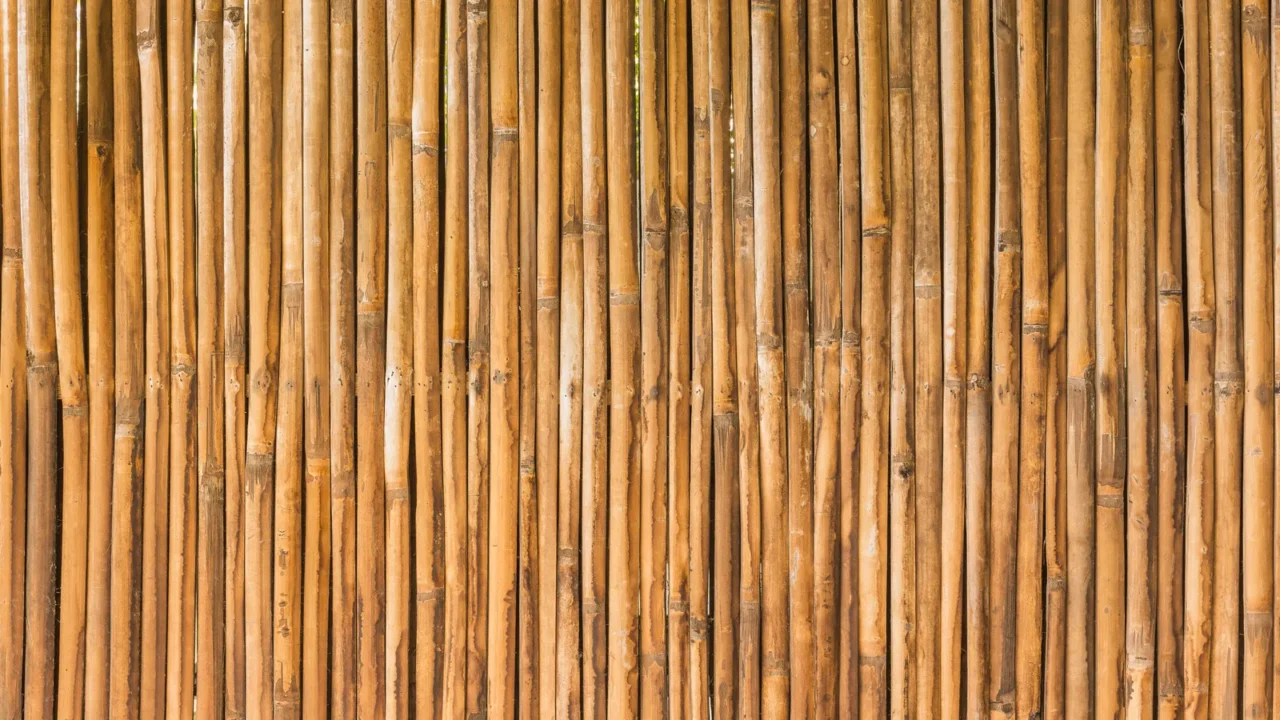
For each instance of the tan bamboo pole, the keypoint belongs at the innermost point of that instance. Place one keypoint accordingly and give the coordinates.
(654, 324)
(1035, 317)
(846, 50)
(211, 558)
(955, 302)
(316, 303)
(1201, 319)
(235, 341)
(371, 353)
(13, 386)
(901, 365)
(453, 370)
(1273, 168)
(595, 373)
(343, 631)
(1171, 360)
(625, 430)
(40, 636)
(398, 386)
(127, 467)
(568, 632)
(69, 317)
(873, 430)
(824, 184)
(928, 379)
(1055, 430)
(264, 147)
(429, 507)
(1228, 366)
(1140, 299)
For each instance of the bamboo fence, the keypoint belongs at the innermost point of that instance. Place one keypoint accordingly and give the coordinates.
(659, 359)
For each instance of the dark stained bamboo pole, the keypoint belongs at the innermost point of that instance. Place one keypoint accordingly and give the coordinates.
(1228, 365)
(824, 184)
(1273, 169)
(69, 320)
(343, 179)
(1171, 360)
(40, 636)
(1140, 299)
(235, 340)
(211, 556)
(428, 498)
(1201, 321)
(1033, 434)
(316, 332)
(265, 184)
(127, 465)
(398, 387)
(874, 443)
(928, 380)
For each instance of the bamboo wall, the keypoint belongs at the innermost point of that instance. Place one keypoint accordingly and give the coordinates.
(681, 359)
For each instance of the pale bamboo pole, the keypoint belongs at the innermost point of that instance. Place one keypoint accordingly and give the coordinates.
(654, 349)
(595, 375)
(69, 317)
(1228, 366)
(625, 429)
(824, 184)
(40, 636)
(211, 558)
(1055, 430)
(344, 629)
(1033, 437)
(1140, 299)
(453, 389)
(1201, 319)
(1171, 361)
(428, 500)
(928, 380)
(263, 269)
(127, 467)
(316, 302)
(398, 387)
(568, 635)
(873, 431)
(901, 365)
(235, 340)
(13, 386)
(158, 284)
(846, 50)
(1006, 370)
(370, 354)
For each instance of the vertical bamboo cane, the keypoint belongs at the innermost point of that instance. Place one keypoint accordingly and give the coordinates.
(1228, 368)
(928, 340)
(399, 368)
(429, 508)
(1274, 198)
(316, 358)
(211, 560)
(69, 315)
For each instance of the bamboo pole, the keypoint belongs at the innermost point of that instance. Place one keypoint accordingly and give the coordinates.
(928, 379)
(211, 560)
(399, 375)
(69, 318)
(316, 301)
(429, 507)
(235, 341)
(127, 464)
(1201, 319)
(344, 630)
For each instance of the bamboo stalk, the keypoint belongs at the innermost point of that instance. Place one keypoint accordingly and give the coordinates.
(211, 559)
(399, 354)
(429, 508)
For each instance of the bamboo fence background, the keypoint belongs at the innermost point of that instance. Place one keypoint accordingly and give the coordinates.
(662, 359)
